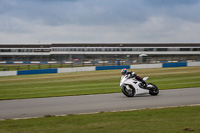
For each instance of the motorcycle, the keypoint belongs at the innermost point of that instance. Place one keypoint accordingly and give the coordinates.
(132, 87)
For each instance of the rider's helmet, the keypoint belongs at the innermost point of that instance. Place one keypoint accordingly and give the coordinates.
(124, 71)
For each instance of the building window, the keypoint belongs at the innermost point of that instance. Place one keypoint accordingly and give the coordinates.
(138, 49)
(173, 49)
(184, 49)
(161, 49)
(129, 49)
(149, 49)
(196, 49)
(98, 49)
(116, 49)
(14, 50)
(5, 50)
(108, 49)
(124, 49)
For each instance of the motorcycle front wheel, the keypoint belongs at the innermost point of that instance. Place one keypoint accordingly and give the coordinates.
(128, 92)
(153, 90)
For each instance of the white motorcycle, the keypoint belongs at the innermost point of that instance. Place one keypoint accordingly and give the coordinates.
(132, 87)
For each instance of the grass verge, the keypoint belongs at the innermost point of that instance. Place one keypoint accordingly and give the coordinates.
(96, 82)
(166, 120)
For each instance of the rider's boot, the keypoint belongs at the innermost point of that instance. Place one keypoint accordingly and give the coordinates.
(144, 84)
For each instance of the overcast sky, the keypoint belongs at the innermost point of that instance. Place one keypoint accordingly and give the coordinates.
(99, 21)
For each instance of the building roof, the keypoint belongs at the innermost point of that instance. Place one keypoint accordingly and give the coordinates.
(126, 45)
(100, 45)
(25, 45)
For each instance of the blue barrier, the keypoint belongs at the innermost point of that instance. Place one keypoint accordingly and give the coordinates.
(178, 64)
(128, 61)
(43, 62)
(59, 62)
(38, 71)
(94, 62)
(77, 62)
(26, 62)
(111, 61)
(9, 62)
(112, 67)
(163, 61)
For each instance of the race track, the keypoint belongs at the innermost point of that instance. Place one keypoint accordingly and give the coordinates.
(24, 108)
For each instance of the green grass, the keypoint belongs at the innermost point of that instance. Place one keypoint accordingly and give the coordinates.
(96, 82)
(168, 120)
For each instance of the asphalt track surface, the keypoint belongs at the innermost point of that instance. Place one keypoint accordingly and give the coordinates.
(26, 108)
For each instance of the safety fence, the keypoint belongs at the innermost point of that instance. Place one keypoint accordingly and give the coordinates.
(96, 68)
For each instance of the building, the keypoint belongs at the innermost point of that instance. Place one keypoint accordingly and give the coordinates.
(100, 51)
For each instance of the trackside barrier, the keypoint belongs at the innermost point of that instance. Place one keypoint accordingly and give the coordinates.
(8, 73)
(193, 64)
(79, 69)
(9, 62)
(112, 67)
(38, 71)
(178, 64)
(75, 69)
(142, 66)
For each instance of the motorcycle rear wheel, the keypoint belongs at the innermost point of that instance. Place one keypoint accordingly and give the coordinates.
(153, 90)
(128, 93)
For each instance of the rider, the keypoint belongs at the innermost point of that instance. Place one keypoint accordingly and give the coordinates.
(134, 75)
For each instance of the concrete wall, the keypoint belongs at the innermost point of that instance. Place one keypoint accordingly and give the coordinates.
(193, 64)
(8, 73)
(141, 66)
(76, 69)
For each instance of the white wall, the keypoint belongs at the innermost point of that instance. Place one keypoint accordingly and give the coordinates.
(8, 73)
(146, 66)
(76, 69)
(193, 64)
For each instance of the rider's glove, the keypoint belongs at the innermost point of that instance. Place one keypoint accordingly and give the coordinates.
(134, 74)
